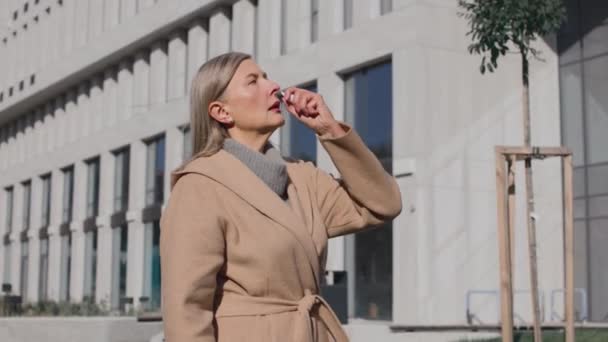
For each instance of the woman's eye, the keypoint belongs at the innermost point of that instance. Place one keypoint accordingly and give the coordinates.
(253, 81)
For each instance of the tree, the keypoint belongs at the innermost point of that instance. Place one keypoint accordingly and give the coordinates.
(497, 27)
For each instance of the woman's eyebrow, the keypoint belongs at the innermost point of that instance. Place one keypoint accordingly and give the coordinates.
(255, 75)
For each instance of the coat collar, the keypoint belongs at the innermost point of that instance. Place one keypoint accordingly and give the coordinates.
(227, 170)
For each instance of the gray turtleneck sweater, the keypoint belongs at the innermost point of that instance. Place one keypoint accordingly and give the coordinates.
(268, 166)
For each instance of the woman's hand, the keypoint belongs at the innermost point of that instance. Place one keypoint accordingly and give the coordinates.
(311, 110)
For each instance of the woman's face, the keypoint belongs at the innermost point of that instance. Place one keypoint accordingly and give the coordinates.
(250, 100)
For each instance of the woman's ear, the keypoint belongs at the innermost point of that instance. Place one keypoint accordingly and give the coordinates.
(218, 111)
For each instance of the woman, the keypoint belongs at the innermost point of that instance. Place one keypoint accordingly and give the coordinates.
(244, 235)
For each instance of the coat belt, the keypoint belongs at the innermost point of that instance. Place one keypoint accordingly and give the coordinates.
(234, 305)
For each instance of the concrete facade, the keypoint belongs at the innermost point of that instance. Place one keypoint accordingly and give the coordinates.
(122, 79)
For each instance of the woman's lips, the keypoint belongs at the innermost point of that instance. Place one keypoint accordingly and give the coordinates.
(276, 107)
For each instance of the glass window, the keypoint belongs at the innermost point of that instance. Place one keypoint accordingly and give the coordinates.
(155, 171)
(299, 141)
(92, 188)
(569, 45)
(348, 14)
(386, 6)
(24, 268)
(595, 27)
(187, 143)
(598, 240)
(7, 264)
(44, 270)
(578, 182)
(68, 193)
(91, 264)
(314, 20)
(66, 266)
(369, 109)
(598, 179)
(596, 103)
(121, 180)
(9, 209)
(27, 200)
(598, 207)
(46, 200)
(119, 266)
(153, 270)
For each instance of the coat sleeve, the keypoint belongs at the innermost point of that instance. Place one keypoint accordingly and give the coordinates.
(365, 196)
(192, 254)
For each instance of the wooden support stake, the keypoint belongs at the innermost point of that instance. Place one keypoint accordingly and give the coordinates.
(506, 293)
(569, 248)
(511, 210)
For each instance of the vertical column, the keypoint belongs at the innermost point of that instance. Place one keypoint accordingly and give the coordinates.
(110, 99)
(104, 230)
(27, 137)
(364, 11)
(21, 137)
(55, 28)
(54, 236)
(80, 123)
(55, 124)
(158, 73)
(177, 65)
(78, 237)
(38, 22)
(19, 66)
(141, 82)
(16, 238)
(9, 67)
(68, 33)
(34, 240)
(3, 227)
(269, 28)
(297, 25)
(3, 149)
(96, 18)
(95, 114)
(125, 89)
(243, 27)
(66, 121)
(38, 130)
(197, 48)
(128, 9)
(143, 4)
(136, 233)
(13, 143)
(219, 31)
(81, 27)
(111, 14)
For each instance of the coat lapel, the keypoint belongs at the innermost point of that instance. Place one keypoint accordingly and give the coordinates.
(233, 174)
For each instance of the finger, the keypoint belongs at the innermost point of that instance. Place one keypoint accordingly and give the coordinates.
(311, 108)
(289, 94)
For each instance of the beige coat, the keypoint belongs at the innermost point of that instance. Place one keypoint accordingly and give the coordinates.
(240, 264)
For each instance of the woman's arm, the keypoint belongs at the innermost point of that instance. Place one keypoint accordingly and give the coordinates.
(368, 195)
(192, 253)
(365, 196)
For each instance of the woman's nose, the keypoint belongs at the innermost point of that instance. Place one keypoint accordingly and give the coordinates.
(274, 88)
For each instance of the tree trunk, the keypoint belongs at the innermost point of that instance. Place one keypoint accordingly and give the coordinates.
(530, 203)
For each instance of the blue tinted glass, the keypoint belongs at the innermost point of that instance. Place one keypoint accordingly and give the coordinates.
(368, 107)
(373, 110)
(159, 167)
(302, 140)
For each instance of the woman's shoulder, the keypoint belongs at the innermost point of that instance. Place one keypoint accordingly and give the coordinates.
(193, 172)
